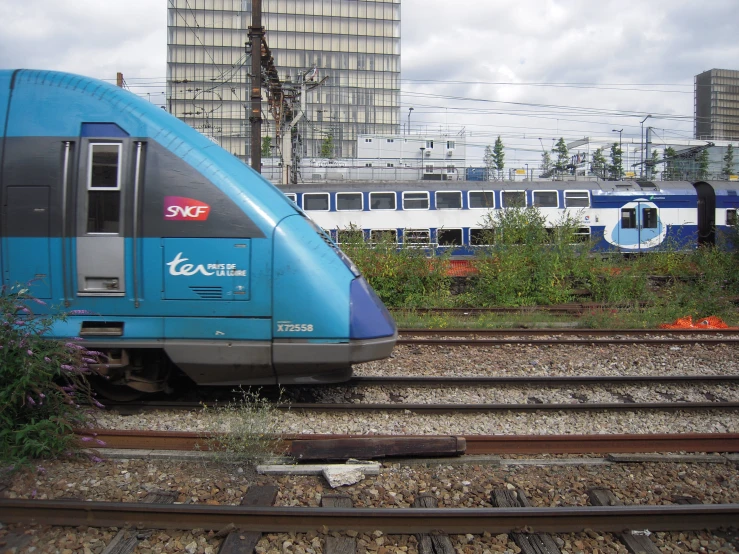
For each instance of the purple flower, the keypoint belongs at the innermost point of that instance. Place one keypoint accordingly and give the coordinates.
(29, 352)
(31, 401)
(86, 439)
(89, 360)
(96, 459)
(73, 345)
(39, 301)
(100, 442)
(41, 395)
(98, 404)
(19, 322)
(79, 312)
(47, 359)
(67, 367)
(41, 469)
(33, 493)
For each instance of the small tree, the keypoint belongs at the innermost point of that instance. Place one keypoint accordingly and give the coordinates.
(563, 155)
(266, 147)
(616, 161)
(652, 164)
(327, 146)
(546, 162)
(499, 155)
(598, 163)
(702, 160)
(728, 168)
(489, 160)
(671, 170)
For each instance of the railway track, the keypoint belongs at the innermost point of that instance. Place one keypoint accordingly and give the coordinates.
(389, 520)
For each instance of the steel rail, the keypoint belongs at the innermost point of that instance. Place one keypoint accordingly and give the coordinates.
(476, 444)
(389, 520)
(526, 380)
(571, 332)
(560, 342)
(478, 408)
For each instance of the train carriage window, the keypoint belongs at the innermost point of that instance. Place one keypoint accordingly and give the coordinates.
(448, 200)
(649, 218)
(382, 200)
(351, 236)
(417, 237)
(383, 235)
(481, 199)
(292, 196)
(481, 237)
(577, 199)
(731, 218)
(628, 218)
(582, 234)
(513, 199)
(546, 199)
(315, 201)
(449, 237)
(104, 188)
(415, 200)
(349, 201)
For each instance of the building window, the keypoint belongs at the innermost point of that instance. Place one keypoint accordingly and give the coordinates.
(430, 144)
(577, 199)
(382, 200)
(513, 199)
(450, 145)
(450, 169)
(448, 200)
(390, 165)
(368, 164)
(415, 200)
(349, 201)
(368, 140)
(545, 199)
(315, 201)
(481, 199)
(430, 168)
(391, 140)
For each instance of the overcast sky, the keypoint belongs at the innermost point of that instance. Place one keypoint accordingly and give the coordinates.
(521, 69)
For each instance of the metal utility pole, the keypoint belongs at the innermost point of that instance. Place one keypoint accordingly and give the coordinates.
(256, 35)
(643, 159)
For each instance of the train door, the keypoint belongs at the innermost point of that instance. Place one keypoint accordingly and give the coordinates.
(706, 213)
(639, 225)
(106, 211)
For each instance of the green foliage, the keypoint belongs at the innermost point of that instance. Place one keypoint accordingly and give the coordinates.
(499, 155)
(252, 429)
(598, 163)
(652, 164)
(42, 383)
(672, 170)
(267, 147)
(728, 168)
(563, 155)
(402, 275)
(327, 146)
(546, 162)
(702, 160)
(616, 168)
(488, 159)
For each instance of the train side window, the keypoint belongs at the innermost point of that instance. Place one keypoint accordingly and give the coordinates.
(577, 199)
(649, 218)
(351, 235)
(448, 200)
(481, 199)
(546, 199)
(628, 218)
(292, 196)
(731, 218)
(382, 200)
(417, 237)
(513, 199)
(315, 201)
(449, 237)
(481, 237)
(383, 235)
(104, 188)
(415, 200)
(349, 201)
(582, 234)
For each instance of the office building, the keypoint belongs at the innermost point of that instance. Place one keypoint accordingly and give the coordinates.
(354, 43)
(717, 105)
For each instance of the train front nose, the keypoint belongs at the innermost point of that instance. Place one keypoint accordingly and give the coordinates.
(372, 330)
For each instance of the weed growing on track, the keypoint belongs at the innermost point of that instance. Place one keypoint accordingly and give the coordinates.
(251, 429)
(44, 394)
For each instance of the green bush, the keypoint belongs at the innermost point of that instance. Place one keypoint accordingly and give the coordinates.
(42, 383)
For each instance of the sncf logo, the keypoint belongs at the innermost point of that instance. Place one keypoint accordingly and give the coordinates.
(179, 208)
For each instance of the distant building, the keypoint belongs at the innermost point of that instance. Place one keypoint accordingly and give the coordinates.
(355, 44)
(717, 105)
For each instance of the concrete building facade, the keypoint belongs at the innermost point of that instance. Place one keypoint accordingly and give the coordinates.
(355, 44)
(717, 105)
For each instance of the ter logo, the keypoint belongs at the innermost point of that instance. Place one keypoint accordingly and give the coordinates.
(179, 208)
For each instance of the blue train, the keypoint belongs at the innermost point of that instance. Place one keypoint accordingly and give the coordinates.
(168, 251)
(618, 216)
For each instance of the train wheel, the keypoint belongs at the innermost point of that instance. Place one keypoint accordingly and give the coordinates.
(117, 393)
